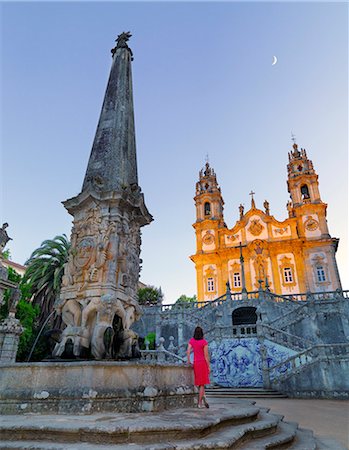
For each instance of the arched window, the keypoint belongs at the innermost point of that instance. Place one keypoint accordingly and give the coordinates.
(244, 316)
(305, 192)
(207, 209)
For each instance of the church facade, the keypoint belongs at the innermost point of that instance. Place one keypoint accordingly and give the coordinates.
(293, 256)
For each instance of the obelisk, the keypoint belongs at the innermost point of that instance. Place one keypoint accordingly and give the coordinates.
(98, 299)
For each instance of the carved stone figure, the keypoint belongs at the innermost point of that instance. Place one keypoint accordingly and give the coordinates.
(4, 237)
(241, 210)
(266, 207)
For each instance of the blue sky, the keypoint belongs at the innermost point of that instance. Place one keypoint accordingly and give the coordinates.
(203, 84)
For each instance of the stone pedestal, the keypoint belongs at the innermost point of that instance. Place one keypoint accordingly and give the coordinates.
(10, 331)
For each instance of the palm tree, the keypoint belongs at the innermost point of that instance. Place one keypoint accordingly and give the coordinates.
(44, 275)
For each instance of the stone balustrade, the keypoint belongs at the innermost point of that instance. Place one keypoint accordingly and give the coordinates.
(161, 354)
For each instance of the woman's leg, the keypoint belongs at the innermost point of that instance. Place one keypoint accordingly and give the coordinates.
(201, 393)
(204, 399)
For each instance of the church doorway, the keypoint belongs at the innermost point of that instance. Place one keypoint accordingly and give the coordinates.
(245, 315)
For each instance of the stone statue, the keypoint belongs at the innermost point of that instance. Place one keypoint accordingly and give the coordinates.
(13, 301)
(241, 210)
(4, 237)
(289, 207)
(266, 207)
(121, 42)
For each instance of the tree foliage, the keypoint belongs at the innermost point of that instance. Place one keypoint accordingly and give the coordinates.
(44, 273)
(185, 299)
(150, 337)
(6, 254)
(26, 313)
(149, 295)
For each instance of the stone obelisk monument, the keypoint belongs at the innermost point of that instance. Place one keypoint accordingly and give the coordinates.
(98, 299)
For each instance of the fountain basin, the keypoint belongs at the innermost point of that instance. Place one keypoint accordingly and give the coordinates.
(86, 387)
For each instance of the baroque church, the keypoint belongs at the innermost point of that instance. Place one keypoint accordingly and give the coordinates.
(296, 255)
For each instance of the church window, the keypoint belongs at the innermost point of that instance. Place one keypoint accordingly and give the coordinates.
(288, 275)
(236, 280)
(207, 209)
(321, 276)
(305, 192)
(210, 284)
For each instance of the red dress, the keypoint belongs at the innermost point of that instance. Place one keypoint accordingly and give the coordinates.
(200, 365)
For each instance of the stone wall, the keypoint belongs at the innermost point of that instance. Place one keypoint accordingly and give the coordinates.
(323, 379)
(94, 386)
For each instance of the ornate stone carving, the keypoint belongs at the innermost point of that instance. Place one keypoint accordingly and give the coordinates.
(256, 227)
(100, 283)
(280, 230)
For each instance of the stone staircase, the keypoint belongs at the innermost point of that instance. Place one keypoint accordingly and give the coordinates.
(248, 392)
(239, 424)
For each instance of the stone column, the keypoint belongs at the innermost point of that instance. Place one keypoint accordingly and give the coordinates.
(10, 328)
(10, 331)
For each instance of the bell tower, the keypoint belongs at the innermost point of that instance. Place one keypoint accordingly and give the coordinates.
(208, 199)
(209, 222)
(303, 186)
(302, 181)
(306, 206)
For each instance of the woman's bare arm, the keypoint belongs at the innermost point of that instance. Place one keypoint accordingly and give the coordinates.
(189, 349)
(207, 357)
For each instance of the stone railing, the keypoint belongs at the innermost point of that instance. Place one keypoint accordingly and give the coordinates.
(289, 317)
(161, 354)
(286, 339)
(313, 296)
(307, 357)
(290, 300)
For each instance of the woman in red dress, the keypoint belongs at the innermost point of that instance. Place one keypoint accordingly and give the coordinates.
(199, 346)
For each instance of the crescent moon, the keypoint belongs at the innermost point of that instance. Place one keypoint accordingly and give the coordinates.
(275, 60)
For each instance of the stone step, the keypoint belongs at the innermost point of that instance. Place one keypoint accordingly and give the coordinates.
(285, 435)
(221, 392)
(227, 437)
(237, 425)
(127, 428)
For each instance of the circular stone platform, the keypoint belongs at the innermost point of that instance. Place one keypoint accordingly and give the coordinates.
(88, 387)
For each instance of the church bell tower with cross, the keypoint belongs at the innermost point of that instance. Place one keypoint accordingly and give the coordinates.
(209, 219)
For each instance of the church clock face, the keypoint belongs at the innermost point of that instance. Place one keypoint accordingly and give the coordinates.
(208, 239)
(311, 224)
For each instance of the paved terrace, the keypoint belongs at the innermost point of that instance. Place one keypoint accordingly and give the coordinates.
(327, 418)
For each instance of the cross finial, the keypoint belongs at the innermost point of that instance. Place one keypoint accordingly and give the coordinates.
(207, 158)
(293, 137)
(253, 205)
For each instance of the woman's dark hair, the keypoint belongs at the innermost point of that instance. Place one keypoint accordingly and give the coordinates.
(198, 333)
